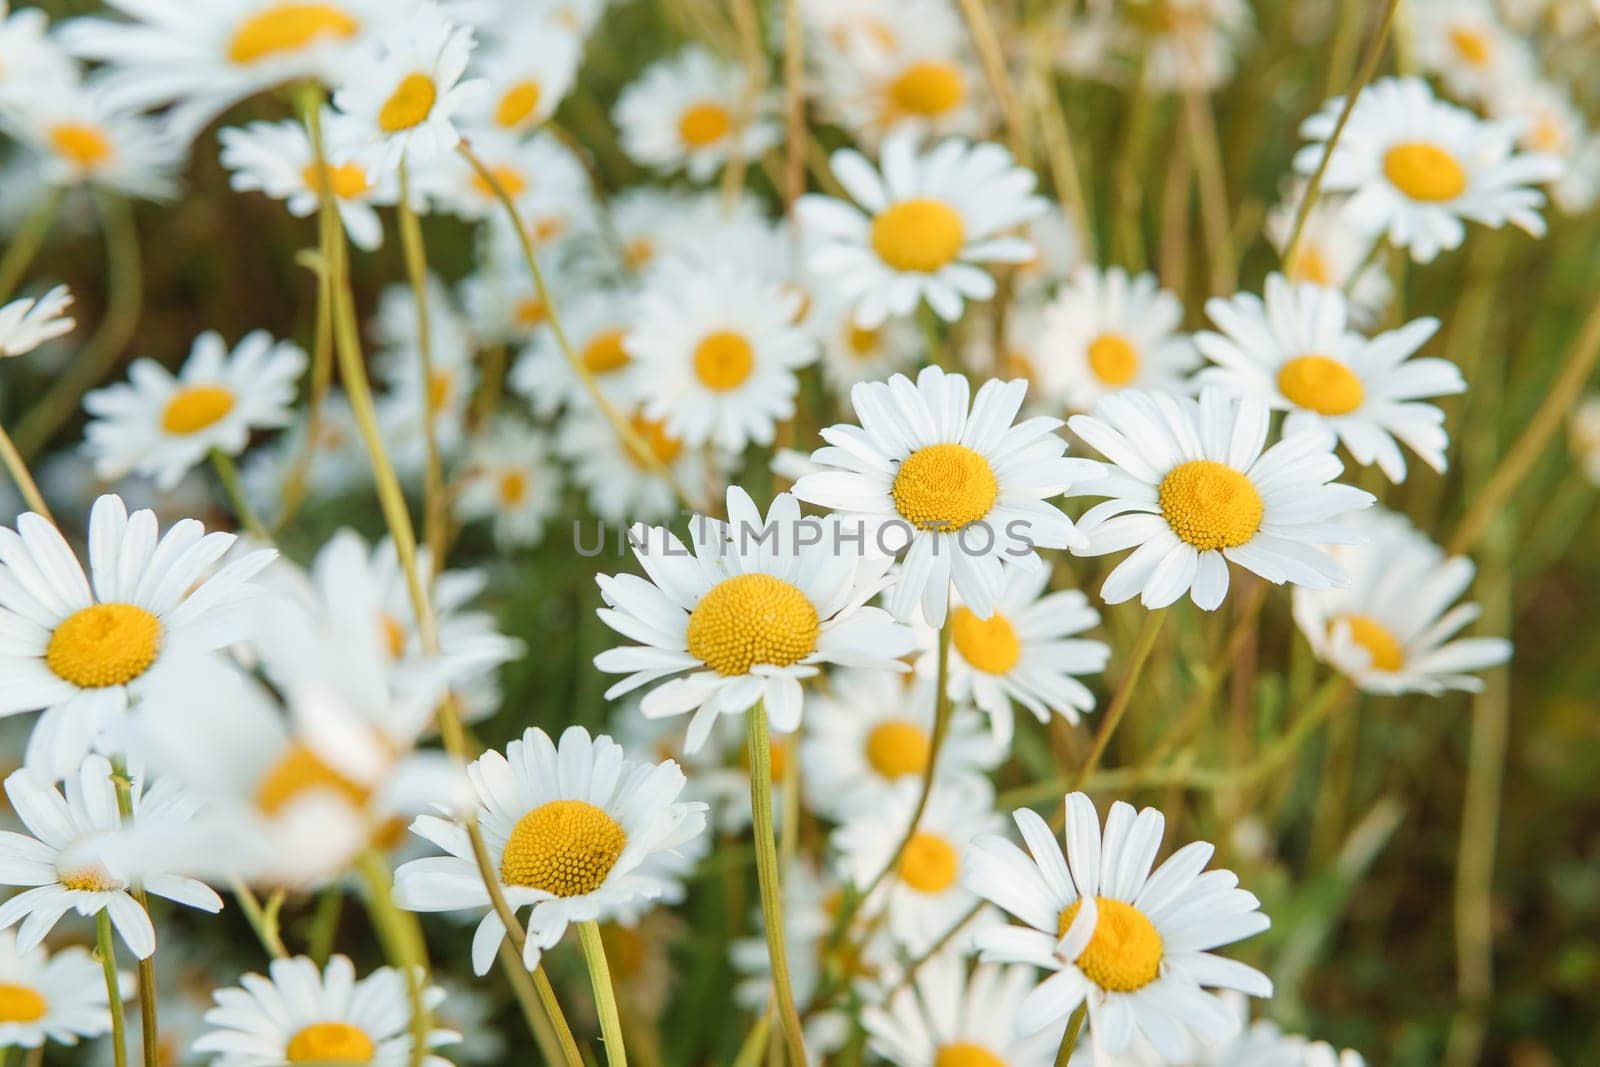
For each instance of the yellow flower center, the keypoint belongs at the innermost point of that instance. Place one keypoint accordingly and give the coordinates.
(1548, 135)
(81, 143)
(604, 353)
(1210, 505)
(944, 487)
(513, 488)
(19, 1004)
(330, 1043)
(639, 251)
(195, 407)
(897, 748)
(288, 27)
(508, 178)
(989, 645)
(103, 645)
(1471, 45)
(393, 632)
(409, 105)
(531, 312)
(862, 343)
(1424, 172)
(1320, 384)
(919, 235)
(300, 771)
(1113, 359)
(346, 181)
(517, 103)
(928, 89)
(88, 880)
(663, 445)
(752, 619)
(929, 864)
(1311, 266)
(1387, 653)
(564, 847)
(704, 124)
(723, 360)
(441, 387)
(1124, 953)
(966, 1054)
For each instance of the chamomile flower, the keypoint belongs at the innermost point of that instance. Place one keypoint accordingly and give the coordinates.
(1466, 44)
(1133, 943)
(301, 1012)
(28, 323)
(83, 140)
(1583, 434)
(509, 478)
(920, 228)
(1107, 331)
(1188, 44)
(960, 488)
(1261, 1044)
(29, 55)
(80, 855)
(762, 604)
(1190, 485)
(852, 353)
(528, 73)
(1333, 252)
(420, 402)
(1551, 123)
(621, 488)
(1393, 629)
(956, 1017)
(688, 113)
(595, 323)
(539, 173)
(161, 425)
(1417, 168)
(57, 997)
(1296, 351)
(82, 652)
(568, 830)
(719, 349)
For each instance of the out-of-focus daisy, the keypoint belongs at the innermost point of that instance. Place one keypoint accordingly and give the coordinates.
(1584, 434)
(567, 830)
(28, 323)
(300, 1012)
(334, 461)
(595, 323)
(1057, 251)
(620, 486)
(1296, 351)
(1262, 1044)
(29, 55)
(719, 351)
(1106, 331)
(951, 1017)
(1133, 943)
(421, 402)
(961, 489)
(1018, 352)
(757, 608)
(688, 113)
(920, 228)
(1391, 630)
(1416, 167)
(1466, 44)
(82, 139)
(502, 301)
(1190, 485)
(1333, 252)
(1552, 124)
(508, 477)
(80, 652)
(58, 997)
(528, 73)
(540, 174)
(1188, 44)
(852, 353)
(161, 426)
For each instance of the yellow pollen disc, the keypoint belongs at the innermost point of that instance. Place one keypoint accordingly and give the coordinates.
(1424, 172)
(1387, 653)
(409, 105)
(1124, 953)
(195, 407)
(704, 124)
(547, 229)
(928, 89)
(723, 360)
(1014, 365)
(81, 143)
(394, 635)
(862, 343)
(944, 487)
(929, 864)
(1548, 136)
(919, 235)
(663, 445)
(1320, 384)
(990, 645)
(531, 312)
(517, 103)
(509, 178)
(300, 771)
(1210, 505)
(441, 386)
(897, 748)
(752, 619)
(288, 28)
(1113, 359)
(604, 354)
(565, 847)
(330, 1043)
(346, 181)
(1311, 266)
(513, 488)
(640, 250)
(1471, 46)
(19, 1004)
(966, 1054)
(88, 880)
(104, 644)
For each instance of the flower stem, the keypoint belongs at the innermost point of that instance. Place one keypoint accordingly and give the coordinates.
(228, 474)
(108, 960)
(149, 1030)
(26, 243)
(767, 877)
(416, 257)
(264, 921)
(20, 474)
(1146, 643)
(1069, 1040)
(605, 997)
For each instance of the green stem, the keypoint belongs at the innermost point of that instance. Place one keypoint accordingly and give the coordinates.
(264, 921)
(605, 997)
(401, 937)
(24, 479)
(228, 474)
(1124, 696)
(416, 257)
(767, 877)
(108, 960)
(755, 1042)
(1069, 1040)
(149, 1029)
(325, 924)
(27, 242)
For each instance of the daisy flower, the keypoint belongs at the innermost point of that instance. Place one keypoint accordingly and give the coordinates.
(28, 323)
(300, 1012)
(1466, 44)
(161, 426)
(719, 349)
(687, 113)
(1583, 435)
(621, 489)
(1190, 485)
(29, 55)
(920, 228)
(953, 1017)
(540, 174)
(83, 139)
(1133, 943)
(1260, 1045)
(1057, 251)
(1552, 124)
(528, 73)
(79, 855)
(1188, 45)
(1295, 350)
(1333, 253)
(1107, 331)
(960, 488)
(1416, 167)
(1393, 629)
(82, 652)
(58, 997)
(509, 478)
(595, 323)
(852, 353)
(568, 831)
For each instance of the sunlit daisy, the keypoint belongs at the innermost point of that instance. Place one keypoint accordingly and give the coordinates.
(1333, 252)
(57, 997)
(953, 1017)
(1466, 44)
(528, 72)
(83, 140)
(1131, 942)
(509, 478)
(595, 323)
(688, 113)
(568, 831)
(1191, 486)
(621, 487)
(28, 323)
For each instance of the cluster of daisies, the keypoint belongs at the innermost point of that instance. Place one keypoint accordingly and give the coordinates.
(204, 714)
